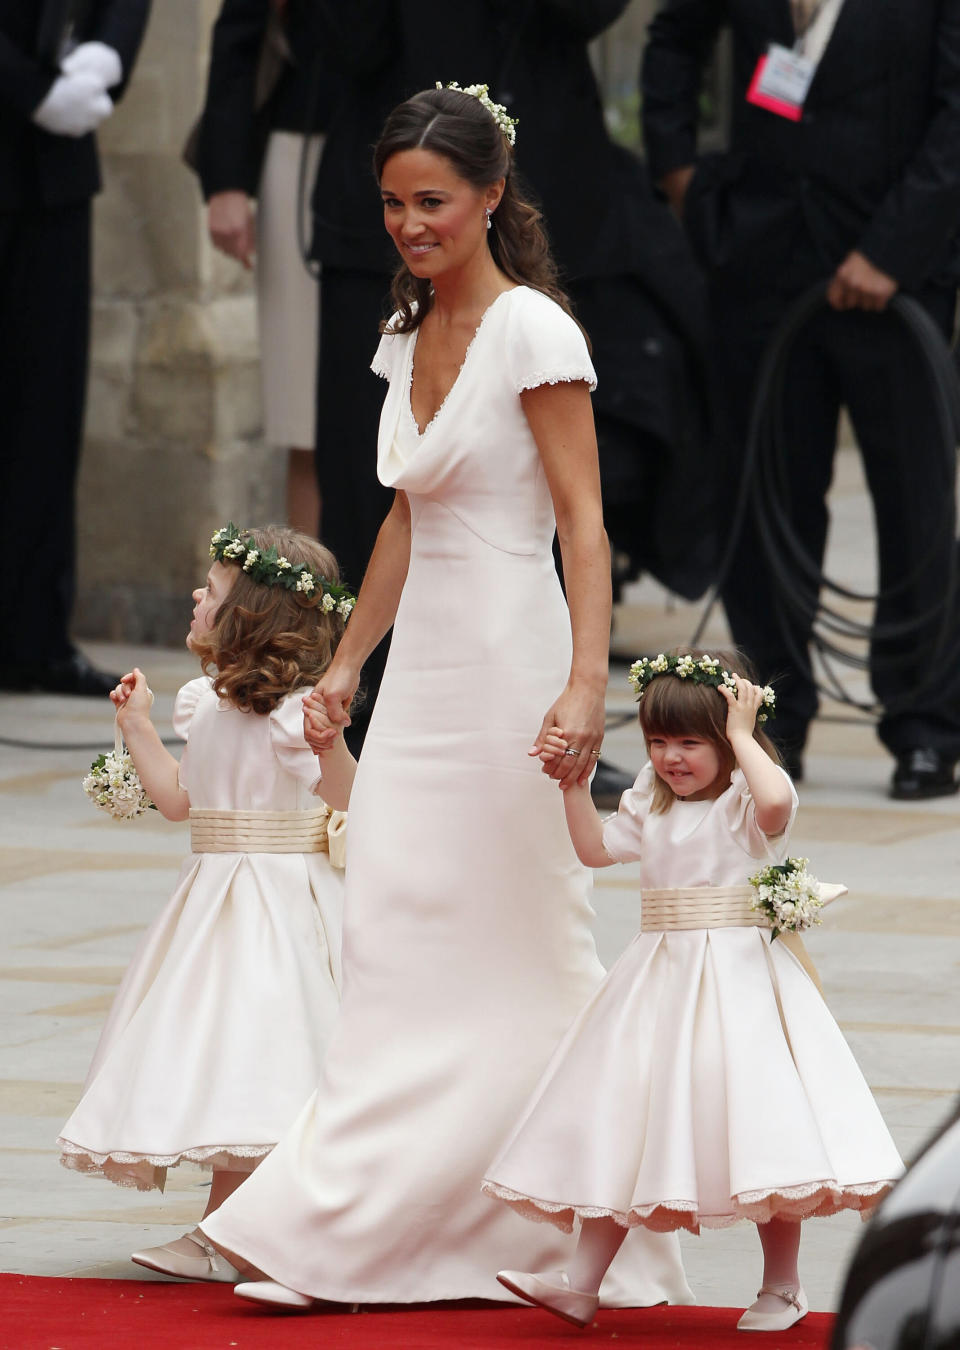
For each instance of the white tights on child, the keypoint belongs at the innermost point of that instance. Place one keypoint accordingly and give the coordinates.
(780, 1240)
(600, 1240)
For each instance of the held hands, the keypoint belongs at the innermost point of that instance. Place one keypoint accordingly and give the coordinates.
(132, 696)
(857, 284)
(569, 739)
(326, 709)
(320, 733)
(232, 227)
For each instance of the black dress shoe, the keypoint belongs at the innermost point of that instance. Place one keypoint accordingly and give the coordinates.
(609, 784)
(923, 773)
(71, 674)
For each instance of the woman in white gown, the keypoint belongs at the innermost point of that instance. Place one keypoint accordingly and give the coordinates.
(467, 944)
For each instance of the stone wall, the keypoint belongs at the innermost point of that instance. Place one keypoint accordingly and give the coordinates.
(173, 442)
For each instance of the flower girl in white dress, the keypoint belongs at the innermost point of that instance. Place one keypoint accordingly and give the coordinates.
(705, 1082)
(217, 1033)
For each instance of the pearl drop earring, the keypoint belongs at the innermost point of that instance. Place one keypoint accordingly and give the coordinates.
(488, 213)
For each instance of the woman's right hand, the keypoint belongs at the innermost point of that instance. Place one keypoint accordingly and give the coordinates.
(231, 225)
(331, 697)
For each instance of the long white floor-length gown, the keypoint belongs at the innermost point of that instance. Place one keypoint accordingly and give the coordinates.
(467, 942)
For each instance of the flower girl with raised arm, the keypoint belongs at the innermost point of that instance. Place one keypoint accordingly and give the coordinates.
(217, 1033)
(705, 1081)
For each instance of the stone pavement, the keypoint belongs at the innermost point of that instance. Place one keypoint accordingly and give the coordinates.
(77, 889)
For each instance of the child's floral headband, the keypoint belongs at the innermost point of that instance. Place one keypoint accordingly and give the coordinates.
(696, 669)
(481, 92)
(270, 568)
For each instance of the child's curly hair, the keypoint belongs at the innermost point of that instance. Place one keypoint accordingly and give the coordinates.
(674, 707)
(265, 640)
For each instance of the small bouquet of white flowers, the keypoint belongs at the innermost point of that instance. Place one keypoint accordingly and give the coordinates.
(114, 785)
(788, 895)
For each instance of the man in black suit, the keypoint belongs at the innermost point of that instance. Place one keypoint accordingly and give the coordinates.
(63, 65)
(855, 181)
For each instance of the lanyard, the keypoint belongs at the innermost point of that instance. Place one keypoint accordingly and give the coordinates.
(803, 19)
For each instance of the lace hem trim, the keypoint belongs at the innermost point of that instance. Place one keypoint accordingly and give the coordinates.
(379, 368)
(568, 376)
(138, 1170)
(814, 1200)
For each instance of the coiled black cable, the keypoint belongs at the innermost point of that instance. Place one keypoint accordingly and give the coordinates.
(797, 579)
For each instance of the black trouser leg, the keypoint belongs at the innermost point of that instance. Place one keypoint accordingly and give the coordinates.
(349, 398)
(44, 344)
(887, 389)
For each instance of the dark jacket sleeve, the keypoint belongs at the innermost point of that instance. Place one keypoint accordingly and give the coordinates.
(584, 19)
(120, 24)
(911, 231)
(357, 37)
(227, 153)
(681, 38)
(24, 84)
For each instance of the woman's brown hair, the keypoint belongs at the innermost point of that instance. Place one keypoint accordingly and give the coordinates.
(674, 707)
(266, 641)
(459, 128)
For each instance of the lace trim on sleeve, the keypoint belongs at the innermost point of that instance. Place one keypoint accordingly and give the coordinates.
(571, 375)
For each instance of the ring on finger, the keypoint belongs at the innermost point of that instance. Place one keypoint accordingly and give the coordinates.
(572, 752)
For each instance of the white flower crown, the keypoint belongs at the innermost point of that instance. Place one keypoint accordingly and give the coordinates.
(481, 92)
(270, 568)
(697, 670)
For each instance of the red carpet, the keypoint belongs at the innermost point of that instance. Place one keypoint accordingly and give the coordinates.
(40, 1314)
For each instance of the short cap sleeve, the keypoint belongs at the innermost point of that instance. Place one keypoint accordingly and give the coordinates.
(185, 704)
(385, 355)
(289, 746)
(740, 814)
(623, 832)
(544, 345)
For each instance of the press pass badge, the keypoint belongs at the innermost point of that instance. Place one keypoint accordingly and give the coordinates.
(782, 81)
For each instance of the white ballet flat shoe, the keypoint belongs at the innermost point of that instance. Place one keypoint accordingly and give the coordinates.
(795, 1306)
(272, 1293)
(573, 1306)
(208, 1264)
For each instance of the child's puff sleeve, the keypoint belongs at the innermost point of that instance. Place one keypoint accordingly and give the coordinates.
(740, 814)
(623, 832)
(184, 707)
(185, 704)
(544, 345)
(286, 738)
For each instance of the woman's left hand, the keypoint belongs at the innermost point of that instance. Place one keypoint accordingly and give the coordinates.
(580, 712)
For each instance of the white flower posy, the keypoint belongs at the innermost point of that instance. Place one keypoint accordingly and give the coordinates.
(114, 785)
(788, 895)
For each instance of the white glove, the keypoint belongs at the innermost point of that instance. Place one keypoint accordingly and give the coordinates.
(94, 58)
(75, 105)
